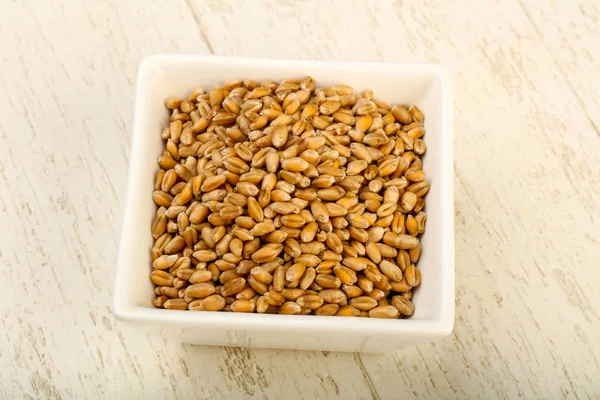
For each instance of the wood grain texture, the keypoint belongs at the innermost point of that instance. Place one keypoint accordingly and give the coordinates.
(527, 181)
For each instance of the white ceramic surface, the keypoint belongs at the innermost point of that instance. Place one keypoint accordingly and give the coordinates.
(427, 85)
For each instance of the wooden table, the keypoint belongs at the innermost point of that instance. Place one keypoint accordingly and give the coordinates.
(527, 196)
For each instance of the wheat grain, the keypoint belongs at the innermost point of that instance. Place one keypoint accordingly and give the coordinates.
(285, 198)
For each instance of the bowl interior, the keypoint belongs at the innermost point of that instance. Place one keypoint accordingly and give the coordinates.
(165, 76)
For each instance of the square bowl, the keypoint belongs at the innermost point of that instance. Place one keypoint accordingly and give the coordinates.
(427, 85)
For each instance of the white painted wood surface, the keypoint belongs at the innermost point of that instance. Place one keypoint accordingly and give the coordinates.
(527, 196)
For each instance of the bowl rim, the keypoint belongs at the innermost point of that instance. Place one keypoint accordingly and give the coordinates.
(434, 327)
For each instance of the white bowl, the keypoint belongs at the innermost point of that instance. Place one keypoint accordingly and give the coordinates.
(427, 85)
